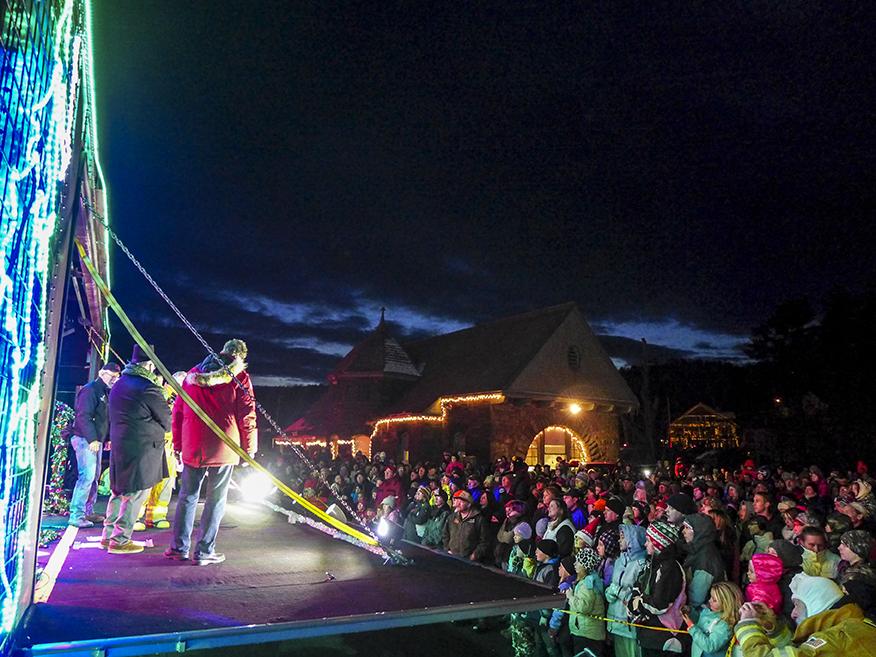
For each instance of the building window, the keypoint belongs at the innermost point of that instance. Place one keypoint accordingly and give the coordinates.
(574, 358)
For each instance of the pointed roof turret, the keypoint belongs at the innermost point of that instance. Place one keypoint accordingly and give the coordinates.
(378, 355)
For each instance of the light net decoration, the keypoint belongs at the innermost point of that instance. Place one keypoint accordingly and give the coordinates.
(39, 52)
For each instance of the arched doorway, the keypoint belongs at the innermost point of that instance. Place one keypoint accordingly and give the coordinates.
(556, 442)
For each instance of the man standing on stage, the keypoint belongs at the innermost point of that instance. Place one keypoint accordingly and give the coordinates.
(87, 436)
(139, 418)
(204, 455)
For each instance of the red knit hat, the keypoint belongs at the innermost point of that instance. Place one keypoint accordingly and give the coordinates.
(662, 535)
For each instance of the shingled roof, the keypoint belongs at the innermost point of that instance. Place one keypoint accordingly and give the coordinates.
(379, 354)
(483, 358)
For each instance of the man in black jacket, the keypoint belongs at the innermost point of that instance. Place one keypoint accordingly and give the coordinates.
(87, 436)
(139, 418)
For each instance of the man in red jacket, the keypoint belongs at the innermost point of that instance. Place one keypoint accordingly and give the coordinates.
(203, 454)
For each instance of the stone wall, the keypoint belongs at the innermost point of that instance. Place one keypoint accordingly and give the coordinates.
(515, 427)
(491, 430)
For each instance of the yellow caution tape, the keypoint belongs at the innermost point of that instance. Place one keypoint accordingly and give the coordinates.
(168, 377)
(615, 620)
(645, 627)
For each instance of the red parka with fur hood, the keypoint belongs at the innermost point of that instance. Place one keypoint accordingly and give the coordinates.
(213, 390)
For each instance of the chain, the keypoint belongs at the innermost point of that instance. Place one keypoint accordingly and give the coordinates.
(267, 416)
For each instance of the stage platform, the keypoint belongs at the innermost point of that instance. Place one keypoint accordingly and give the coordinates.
(280, 582)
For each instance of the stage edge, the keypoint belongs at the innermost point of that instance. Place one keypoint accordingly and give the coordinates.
(130, 646)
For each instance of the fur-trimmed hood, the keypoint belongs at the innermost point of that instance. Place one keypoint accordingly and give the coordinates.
(211, 372)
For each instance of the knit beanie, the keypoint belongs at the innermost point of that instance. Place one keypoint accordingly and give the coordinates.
(611, 542)
(549, 547)
(662, 535)
(617, 505)
(568, 562)
(589, 559)
(682, 503)
(524, 530)
(790, 554)
(541, 526)
(859, 542)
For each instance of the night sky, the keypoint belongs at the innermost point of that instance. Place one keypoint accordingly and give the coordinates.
(286, 169)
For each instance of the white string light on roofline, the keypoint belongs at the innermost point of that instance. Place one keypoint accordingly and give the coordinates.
(444, 403)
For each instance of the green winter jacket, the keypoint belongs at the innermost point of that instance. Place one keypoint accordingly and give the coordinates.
(586, 600)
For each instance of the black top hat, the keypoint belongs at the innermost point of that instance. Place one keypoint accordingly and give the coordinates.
(140, 356)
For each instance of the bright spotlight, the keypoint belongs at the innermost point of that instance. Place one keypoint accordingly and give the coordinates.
(647, 473)
(256, 487)
(383, 528)
(574, 409)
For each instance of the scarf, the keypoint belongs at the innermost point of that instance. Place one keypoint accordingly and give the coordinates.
(136, 369)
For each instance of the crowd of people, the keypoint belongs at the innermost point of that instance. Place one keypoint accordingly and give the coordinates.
(756, 561)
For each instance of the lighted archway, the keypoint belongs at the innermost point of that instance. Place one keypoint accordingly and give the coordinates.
(556, 441)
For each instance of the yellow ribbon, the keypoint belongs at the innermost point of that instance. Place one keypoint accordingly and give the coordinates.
(168, 377)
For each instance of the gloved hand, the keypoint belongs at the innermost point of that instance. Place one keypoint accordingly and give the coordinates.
(565, 585)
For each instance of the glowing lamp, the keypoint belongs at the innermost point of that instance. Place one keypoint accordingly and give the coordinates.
(383, 528)
(256, 487)
(574, 408)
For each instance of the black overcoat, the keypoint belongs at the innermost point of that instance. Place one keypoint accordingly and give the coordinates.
(139, 417)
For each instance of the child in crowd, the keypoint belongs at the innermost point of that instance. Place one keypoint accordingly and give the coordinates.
(608, 548)
(520, 562)
(764, 572)
(558, 625)
(711, 633)
(586, 601)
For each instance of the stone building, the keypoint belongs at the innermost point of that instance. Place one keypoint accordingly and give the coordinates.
(702, 427)
(537, 385)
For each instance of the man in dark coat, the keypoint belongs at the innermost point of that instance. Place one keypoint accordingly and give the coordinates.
(139, 417)
(87, 436)
(465, 534)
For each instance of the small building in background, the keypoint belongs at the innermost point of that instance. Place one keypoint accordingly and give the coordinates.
(702, 427)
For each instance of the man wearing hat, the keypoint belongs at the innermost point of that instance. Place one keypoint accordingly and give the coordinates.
(87, 436)
(222, 388)
(465, 534)
(139, 418)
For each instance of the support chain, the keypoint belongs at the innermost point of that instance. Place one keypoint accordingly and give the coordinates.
(264, 413)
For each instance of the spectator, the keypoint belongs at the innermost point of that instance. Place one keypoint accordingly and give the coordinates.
(587, 605)
(713, 629)
(465, 534)
(703, 564)
(627, 569)
(659, 593)
(818, 561)
(764, 573)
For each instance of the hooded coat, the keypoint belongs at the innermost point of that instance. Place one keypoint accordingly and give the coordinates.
(768, 570)
(213, 389)
(657, 597)
(627, 568)
(139, 418)
(704, 565)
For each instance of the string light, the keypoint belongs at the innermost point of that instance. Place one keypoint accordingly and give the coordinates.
(574, 436)
(444, 403)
